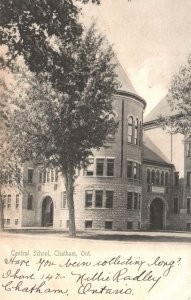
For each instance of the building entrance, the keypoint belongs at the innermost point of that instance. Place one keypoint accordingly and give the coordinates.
(157, 214)
(47, 212)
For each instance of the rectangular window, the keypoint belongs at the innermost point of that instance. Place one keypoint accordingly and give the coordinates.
(5, 201)
(90, 168)
(88, 198)
(67, 224)
(129, 200)
(98, 198)
(136, 201)
(176, 178)
(16, 221)
(30, 202)
(44, 177)
(88, 224)
(129, 169)
(52, 175)
(99, 166)
(108, 224)
(175, 208)
(8, 221)
(63, 199)
(129, 225)
(139, 204)
(110, 167)
(30, 175)
(188, 226)
(188, 178)
(188, 149)
(109, 199)
(9, 202)
(56, 174)
(17, 201)
(40, 177)
(136, 171)
(48, 176)
(188, 205)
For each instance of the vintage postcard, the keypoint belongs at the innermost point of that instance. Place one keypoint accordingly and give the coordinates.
(100, 206)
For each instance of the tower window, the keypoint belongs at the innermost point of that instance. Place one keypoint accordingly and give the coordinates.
(130, 130)
(136, 131)
(148, 176)
(129, 169)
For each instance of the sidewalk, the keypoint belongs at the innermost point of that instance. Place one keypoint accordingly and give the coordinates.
(129, 236)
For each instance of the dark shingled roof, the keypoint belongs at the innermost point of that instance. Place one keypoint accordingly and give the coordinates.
(152, 153)
(126, 84)
(161, 109)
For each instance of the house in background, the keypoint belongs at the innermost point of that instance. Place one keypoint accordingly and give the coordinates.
(132, 184)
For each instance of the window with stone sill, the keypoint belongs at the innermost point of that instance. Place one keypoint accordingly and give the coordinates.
(63, 199)
(175, 205)
(9, 202)
(130, 130)
(98, 199)
(110, 167)
(99, 166)
(89, 171)
(88, 224)
(109, 199)
(188, 205)
(30, 202)
(129, 225)
(17, 201)
(108, 224)
(30, 175)
(88, 198)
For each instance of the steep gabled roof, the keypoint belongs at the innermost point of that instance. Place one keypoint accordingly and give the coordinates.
(152, 153)
(161, 109)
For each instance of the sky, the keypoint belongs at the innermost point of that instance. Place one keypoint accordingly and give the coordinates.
(152, 39)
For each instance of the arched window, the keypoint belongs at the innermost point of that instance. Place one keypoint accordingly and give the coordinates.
(130, 130)
(136, 131)
(157, 177)
(140, 133)
(162, 178)
(166, 178)
(153, 177)
(148, 176)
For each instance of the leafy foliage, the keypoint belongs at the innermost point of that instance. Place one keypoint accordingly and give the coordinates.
(179, 99)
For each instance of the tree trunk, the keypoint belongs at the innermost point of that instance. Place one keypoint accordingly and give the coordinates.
(1, 214)
(69, 184)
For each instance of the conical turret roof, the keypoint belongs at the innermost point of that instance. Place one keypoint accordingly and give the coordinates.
(126, 84)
